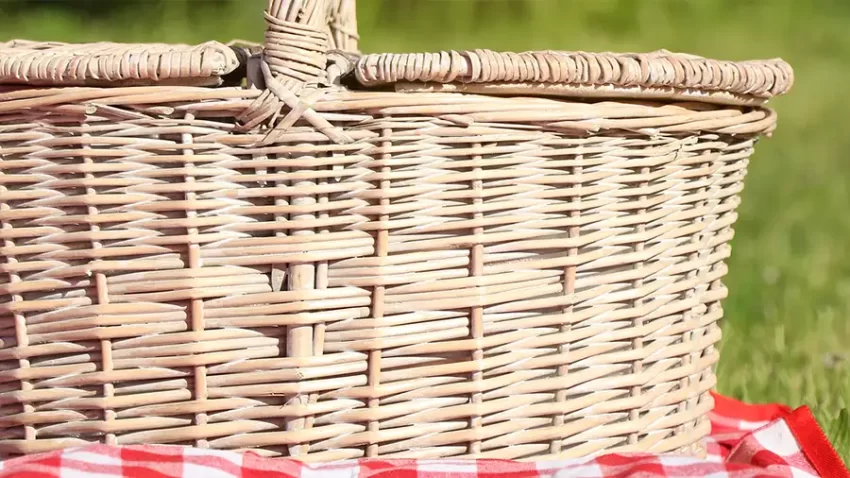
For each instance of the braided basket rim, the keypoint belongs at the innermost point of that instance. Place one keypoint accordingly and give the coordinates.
(105, 64)
(655, 75)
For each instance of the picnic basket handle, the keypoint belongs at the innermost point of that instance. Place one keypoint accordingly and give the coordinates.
(302, 37)
(300, 33)
(342, 26)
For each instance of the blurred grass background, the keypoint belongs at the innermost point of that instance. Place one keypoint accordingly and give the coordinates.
(787, 325)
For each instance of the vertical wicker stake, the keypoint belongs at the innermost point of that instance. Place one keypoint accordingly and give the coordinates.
(102, 292)
(476, 316)
(637, 323)
(556, 446)
(378, 295)
(196, 305)
(20, 321)
(295, 50)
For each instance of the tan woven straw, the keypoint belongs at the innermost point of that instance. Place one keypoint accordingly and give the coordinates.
(661, 74)
(459, 254)
(111, 64)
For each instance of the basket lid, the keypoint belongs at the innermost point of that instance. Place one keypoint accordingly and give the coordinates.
(656, 75)
(114, 64)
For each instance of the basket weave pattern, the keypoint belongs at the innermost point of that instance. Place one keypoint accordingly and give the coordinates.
(307, 270)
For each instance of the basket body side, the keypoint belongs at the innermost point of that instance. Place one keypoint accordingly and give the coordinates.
(471, 277)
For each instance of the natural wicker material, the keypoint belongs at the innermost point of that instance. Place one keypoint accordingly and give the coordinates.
(660, 74)
(111, 64)
(313, 271)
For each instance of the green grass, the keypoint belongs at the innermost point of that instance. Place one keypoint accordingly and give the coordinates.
(787, 325)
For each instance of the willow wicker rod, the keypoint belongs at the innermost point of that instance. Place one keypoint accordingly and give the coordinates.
(661, 68)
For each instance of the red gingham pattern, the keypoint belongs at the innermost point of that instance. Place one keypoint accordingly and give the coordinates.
(747, 441)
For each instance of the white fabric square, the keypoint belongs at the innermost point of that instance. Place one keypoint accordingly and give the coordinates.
(798, 473)
(211, 469)
(93, 458)
(448, 467)
(778, 439)
(192, 470)
(233, 457)
(351, 470)
(587, 470)
(66, 472)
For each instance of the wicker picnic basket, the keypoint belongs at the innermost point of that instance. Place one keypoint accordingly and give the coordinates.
(457, 254)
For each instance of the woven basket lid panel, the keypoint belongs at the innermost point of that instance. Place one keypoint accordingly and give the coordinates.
(656, 75)
(114, 64)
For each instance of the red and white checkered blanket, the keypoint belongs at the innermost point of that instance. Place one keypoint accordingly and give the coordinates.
(747, 441)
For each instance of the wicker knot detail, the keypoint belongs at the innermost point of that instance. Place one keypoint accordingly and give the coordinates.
(292, 71)
(764, 79)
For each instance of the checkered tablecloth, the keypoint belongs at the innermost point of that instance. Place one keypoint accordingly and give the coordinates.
(747, 441)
